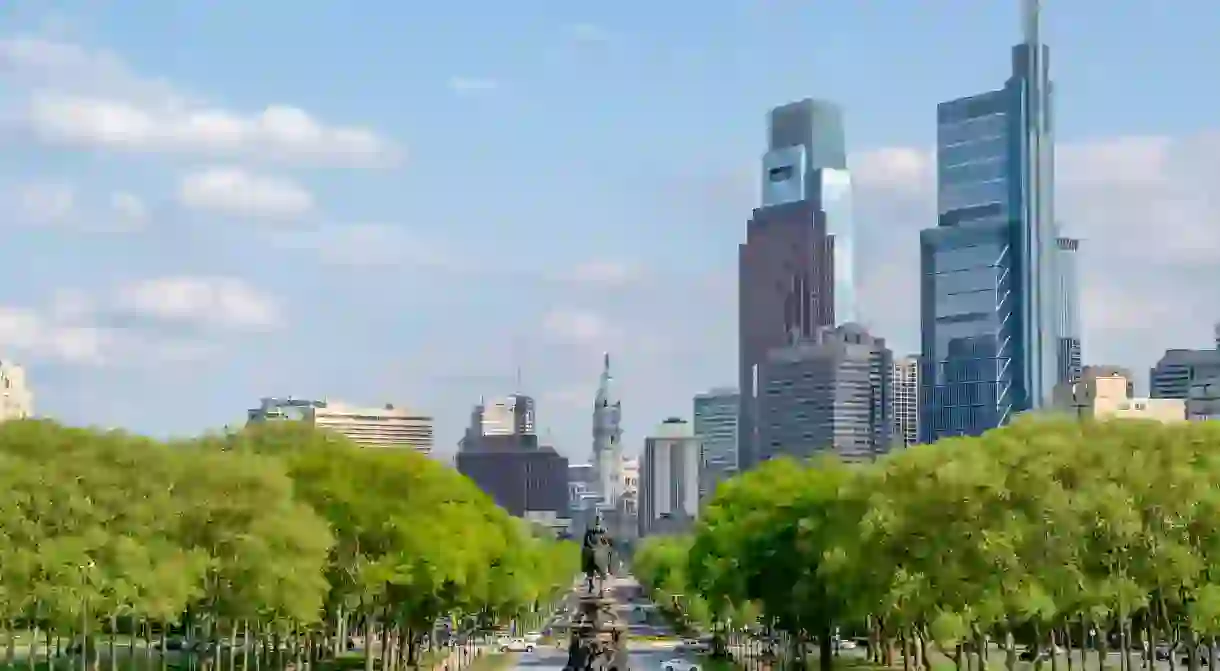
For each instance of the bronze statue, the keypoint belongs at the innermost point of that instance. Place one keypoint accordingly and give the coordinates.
(598, 640)
(595, 557)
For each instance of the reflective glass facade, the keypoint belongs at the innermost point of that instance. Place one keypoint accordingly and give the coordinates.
(993, 301)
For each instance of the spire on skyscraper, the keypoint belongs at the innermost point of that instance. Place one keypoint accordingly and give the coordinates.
(1031, 19)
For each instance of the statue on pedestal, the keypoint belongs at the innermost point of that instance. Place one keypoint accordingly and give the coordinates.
(598, 640)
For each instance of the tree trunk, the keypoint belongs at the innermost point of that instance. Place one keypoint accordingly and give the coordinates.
(1067, 645)
(1054, 634)
(10, 647)
(1010, 649)
(164, 656)
(110, 643)
(1103, 646)
(826, 647)
(921, 637)
(385, 644)
(368, 641)
(31, 656)
(1038, 646)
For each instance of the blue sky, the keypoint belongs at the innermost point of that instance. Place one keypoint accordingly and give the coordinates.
(209, 202)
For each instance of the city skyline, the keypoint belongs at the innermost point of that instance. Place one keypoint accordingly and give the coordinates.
(183, 269)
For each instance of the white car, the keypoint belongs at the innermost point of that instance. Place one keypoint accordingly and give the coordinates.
(846, 644)
(517, 645)
(680, 665)
(533, 637)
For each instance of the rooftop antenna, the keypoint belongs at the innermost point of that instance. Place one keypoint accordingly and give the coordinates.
(1031, 14)
(517, 364)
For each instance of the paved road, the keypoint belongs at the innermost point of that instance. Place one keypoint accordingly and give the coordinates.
(550, 659)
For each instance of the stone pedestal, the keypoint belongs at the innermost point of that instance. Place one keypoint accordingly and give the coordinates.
(598, 638)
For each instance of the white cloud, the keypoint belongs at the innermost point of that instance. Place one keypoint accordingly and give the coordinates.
(33, 333)
(472, 85)
(91, 98)
(207, 301)
(237, 192)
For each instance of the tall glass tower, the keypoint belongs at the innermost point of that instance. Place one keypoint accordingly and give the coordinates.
(991, 293)
(796, 267)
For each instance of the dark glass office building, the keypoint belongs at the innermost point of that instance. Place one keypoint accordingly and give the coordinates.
(992, 296)
(518, 473)
(795, 267)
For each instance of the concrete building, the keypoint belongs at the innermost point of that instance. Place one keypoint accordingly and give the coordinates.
(512, 415)
(715, 422)
(1180, 369)
(1105, 392)
(993, 302)
(669, 479)
(826, 394)
(383, 426)
(904, 394)
(608, 436)
(796, 267)
(16, 398)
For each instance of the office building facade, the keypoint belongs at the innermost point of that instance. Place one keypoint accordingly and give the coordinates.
(16, 397)
(829, 394)
(381, 426)
(795, 269)
(1070, 356)
(669, 479)
(526, 481)
(1180, 369)
(904, 392)
(715, 424)
(991, 292)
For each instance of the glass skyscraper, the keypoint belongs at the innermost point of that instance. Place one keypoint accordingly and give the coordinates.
(993, 301)
(796, 271)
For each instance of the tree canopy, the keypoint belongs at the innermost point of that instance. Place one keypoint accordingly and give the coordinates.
(274, 531)
(1048, 532)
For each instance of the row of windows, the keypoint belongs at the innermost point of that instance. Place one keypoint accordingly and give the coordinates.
(975, 302)
(962, 420)
(965, 393)
(974, 279)
(969, 152)
(981, 256)
(958, 196)
(991, 125)
(983, 170)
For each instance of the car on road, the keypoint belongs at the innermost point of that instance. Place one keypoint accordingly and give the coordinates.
(680, 665)
(533, 637)
(845, 644)
(517, 645)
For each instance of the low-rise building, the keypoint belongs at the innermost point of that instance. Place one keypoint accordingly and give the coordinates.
(1106, 392)
(383, 426)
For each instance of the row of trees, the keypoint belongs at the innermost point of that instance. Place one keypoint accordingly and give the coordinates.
(284, 537)
(1090, 536)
